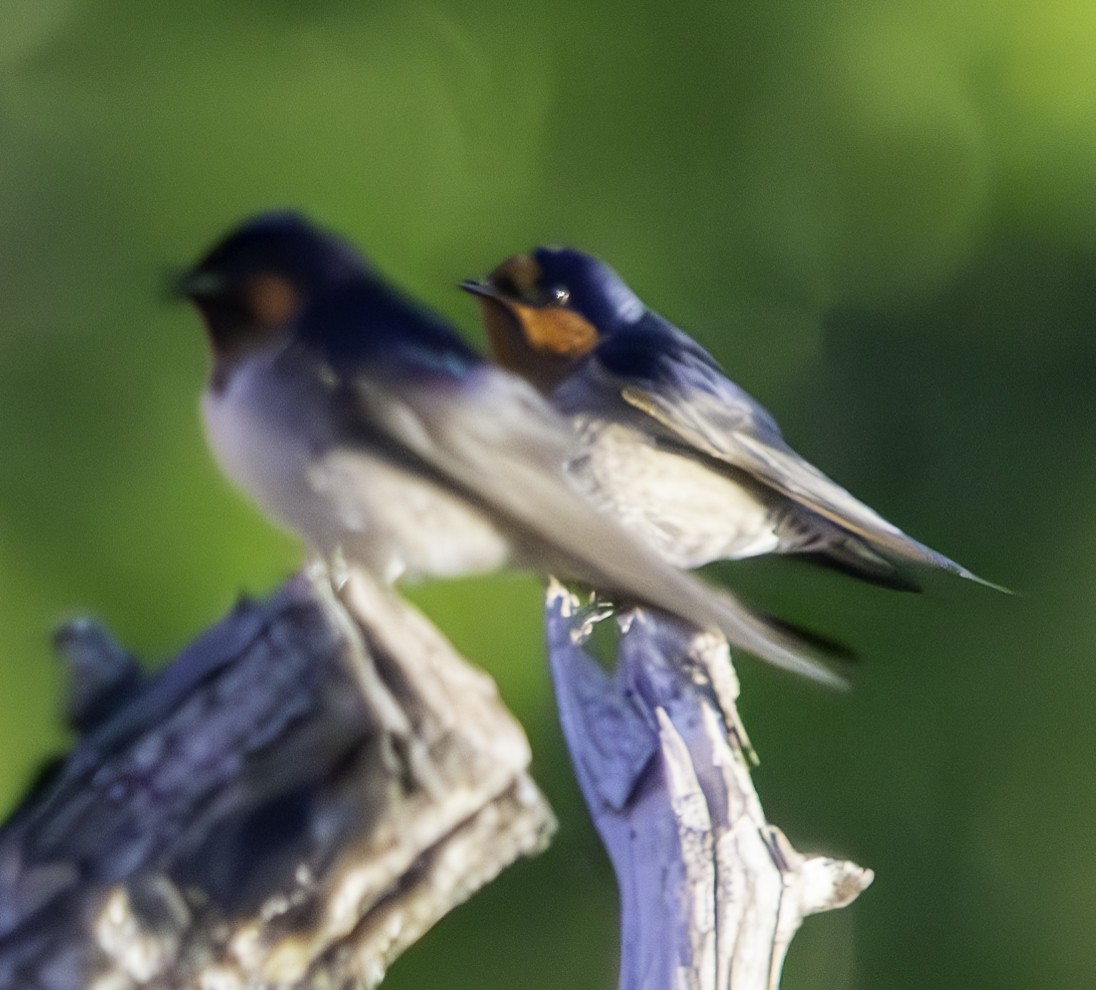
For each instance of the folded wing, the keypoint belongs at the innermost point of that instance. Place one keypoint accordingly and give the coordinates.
(496, 440)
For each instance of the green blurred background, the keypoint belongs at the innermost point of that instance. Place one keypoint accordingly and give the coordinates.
(881, 217)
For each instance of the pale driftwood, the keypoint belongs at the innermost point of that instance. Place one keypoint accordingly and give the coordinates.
(711, 894)
(295, 800)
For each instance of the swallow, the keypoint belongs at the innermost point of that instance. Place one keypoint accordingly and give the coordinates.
(664, 441)
(363, 423)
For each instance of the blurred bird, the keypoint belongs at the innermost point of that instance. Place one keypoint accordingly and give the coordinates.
(666, 443)
(364, 424)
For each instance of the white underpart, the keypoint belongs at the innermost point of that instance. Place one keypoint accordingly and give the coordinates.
(688, 512)
(270, 430)
(419, 529)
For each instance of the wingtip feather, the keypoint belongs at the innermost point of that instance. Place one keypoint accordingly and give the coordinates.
(971, 576)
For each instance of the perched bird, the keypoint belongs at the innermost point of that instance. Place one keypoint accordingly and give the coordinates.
(364, 424)
(665, 442)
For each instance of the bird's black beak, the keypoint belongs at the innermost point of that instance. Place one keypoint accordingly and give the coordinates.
(482, 287)
(196, 285)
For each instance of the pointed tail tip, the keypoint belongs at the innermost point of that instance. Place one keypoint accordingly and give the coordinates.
(827, 678)
(810, 668)
(802, 652)
(796, 659)
(971, 576)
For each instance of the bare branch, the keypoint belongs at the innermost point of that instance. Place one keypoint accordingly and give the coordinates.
(711, 894)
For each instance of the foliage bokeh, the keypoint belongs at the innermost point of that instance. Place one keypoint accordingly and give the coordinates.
(881, 218)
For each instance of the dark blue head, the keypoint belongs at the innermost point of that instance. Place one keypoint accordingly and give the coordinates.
(588, 286)
(256, 279)
(546, 310)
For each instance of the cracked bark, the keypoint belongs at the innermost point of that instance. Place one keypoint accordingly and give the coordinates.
(301, 794)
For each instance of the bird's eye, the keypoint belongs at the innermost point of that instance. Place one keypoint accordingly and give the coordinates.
(560, 295)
